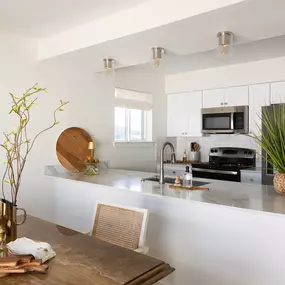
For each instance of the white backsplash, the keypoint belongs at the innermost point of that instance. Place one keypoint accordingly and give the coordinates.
(207, 142)
(160, 141)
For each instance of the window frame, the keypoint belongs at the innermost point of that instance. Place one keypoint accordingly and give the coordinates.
(128, 120)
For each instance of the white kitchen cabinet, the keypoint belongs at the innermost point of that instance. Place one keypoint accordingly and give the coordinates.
(278, 92)
(259, 95)
(195, 117)
(226, 97)
(236, 96)
(184, 114)
(177, 114)
(251, 177)
(213, 98)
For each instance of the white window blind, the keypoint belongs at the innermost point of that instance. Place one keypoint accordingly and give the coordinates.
(133, 99)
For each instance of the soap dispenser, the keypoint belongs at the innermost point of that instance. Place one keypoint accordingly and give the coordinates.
(187, 178)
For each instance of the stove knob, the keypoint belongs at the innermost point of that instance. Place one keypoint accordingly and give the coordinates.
(216, 150)
(212, 150)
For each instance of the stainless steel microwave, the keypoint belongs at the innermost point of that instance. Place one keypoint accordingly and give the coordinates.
(227, 120)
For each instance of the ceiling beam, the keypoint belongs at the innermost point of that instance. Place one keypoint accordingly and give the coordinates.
(148, 15)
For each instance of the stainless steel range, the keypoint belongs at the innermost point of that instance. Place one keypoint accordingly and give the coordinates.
(225, 163)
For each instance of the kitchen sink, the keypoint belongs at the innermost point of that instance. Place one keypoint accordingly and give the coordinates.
(169, 180)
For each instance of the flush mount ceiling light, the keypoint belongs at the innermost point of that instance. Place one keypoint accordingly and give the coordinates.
(109, 65)
(225, 43)
(157, 53)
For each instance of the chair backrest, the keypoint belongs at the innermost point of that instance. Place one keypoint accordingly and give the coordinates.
(123, 226)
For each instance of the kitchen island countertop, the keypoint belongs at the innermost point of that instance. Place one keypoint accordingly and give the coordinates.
(233, 194)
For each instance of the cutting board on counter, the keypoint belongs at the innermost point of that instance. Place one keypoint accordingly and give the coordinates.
(188, 188)
(72, 149)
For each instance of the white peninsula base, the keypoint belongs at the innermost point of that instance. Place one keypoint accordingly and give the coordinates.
(208, 244)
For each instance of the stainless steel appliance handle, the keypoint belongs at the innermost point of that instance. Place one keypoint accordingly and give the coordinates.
(218, 131)
(232, 121)
(215, 171)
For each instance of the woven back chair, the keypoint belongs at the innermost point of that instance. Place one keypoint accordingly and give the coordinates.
(123, 226)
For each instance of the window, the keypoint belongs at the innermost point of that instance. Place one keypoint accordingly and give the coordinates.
(133, 118)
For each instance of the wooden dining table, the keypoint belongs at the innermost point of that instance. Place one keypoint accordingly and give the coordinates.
(85, 260)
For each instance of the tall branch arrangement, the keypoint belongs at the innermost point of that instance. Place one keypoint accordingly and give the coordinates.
(17, 143)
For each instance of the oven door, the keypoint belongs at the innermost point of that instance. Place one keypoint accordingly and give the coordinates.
(226, 175)
(217, 120)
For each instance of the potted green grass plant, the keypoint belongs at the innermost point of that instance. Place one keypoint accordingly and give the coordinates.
(272, 140)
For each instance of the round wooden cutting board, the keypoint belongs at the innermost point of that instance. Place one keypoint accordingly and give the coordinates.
(72, 149)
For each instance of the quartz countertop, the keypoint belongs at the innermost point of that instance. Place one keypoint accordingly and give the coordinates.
(233, 194)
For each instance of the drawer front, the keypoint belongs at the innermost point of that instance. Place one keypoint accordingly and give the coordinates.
(251, 178)
(173, 172)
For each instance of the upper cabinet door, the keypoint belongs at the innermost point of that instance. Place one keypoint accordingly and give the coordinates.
(278, 92)
(259, 95)
(236, 96)
(213, 98)
(195, 117)
(184, 114)
(177, 114)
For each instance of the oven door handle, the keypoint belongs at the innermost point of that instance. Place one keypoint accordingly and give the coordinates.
(215, 171)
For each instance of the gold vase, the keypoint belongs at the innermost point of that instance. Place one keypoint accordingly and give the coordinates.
(8, 219)
(279, 183)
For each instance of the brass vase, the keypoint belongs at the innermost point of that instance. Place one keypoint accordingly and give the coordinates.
(279, 183)
(8, 219)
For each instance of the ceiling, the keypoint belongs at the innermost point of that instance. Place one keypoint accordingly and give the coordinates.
(252, 51)
(43, 18)
(190, 43)
(258, 26)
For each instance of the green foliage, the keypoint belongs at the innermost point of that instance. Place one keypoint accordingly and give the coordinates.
(272, 140)
(17, 144)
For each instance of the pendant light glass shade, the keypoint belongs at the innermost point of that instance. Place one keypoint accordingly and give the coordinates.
(157, 53)
(109, 66)
(225, 44)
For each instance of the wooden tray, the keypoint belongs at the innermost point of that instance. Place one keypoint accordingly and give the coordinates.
(72, 149)
(187, 162)
(188, 188)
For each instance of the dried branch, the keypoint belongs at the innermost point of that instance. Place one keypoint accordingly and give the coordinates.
(3, 181)
(16, 153)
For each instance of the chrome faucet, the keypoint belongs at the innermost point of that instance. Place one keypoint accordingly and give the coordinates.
(173, 160)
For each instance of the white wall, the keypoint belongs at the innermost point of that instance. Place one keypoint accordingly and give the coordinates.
(240, 74)
(17, 73)
(91, 107)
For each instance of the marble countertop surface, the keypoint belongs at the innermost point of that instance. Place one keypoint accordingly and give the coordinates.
(233, 194)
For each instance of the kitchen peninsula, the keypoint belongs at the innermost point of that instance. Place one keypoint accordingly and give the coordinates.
(225, 193)
(206, 230)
